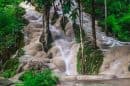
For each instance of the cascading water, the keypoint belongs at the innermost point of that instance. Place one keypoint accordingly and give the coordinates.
(66, 50)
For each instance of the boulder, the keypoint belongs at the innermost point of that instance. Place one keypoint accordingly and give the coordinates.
(35, 65)
(54, 52)
(41, 54)
(59, 63)
(52, 66)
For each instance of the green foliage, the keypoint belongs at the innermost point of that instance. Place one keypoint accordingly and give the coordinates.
(10, 67)
(8, 73)
(43, 3)
(11, 24)
(77, 34)
(119, 26)
(92, 60)
(20, 52)
(67, 6)
(74, 15)
(118, 19)
(125, 22)
(113, 24)
(38, 78)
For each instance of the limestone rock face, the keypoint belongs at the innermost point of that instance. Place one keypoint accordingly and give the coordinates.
(54, 51)
(59, 63)
(52, 66)
(69, 31)
(116, 62)
(35, 65)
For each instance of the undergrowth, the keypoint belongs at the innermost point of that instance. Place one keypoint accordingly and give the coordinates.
(38, 78)
(91, 61)
(9, 68)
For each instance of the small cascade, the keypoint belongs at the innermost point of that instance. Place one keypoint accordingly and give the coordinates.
(104, 42)
(66, 50)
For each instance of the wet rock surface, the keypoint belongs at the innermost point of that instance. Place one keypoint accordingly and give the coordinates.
(34, 56)
(63, 48)
(63, 53)
(5, 82)
(59, 63)
(116, 62)
(110, 82)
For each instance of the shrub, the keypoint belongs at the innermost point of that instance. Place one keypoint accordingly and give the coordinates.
(92, 60)
(10, 67)
(76, 29)
(11, 24)
(39, 78)
(119, 26)
(113, 24)
(118, 16)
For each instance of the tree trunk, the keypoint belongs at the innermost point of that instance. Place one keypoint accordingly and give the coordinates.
(105, 5)
(54, 5)
(46, 37)
(81, 35)
(93, 24)
(63, 15)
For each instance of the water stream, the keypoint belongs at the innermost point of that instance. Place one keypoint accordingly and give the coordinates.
(66, 49)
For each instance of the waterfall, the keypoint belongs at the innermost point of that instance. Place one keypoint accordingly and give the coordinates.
(66, 50)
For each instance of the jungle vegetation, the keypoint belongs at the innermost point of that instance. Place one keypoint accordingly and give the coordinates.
(112, 15)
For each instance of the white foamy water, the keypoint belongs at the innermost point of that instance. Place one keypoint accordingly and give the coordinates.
(102, 39)
(66, 49)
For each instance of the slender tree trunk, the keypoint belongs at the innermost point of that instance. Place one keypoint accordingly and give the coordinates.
(93, 24)
(54, 5)
(105, 4)
(81, 35)
(46, 37)
(63, 15)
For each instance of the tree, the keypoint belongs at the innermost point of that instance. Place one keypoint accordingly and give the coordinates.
(93, 24)
(105, 5)
(81, 34)
(46, 38)
(66, 8)
(11, 24)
